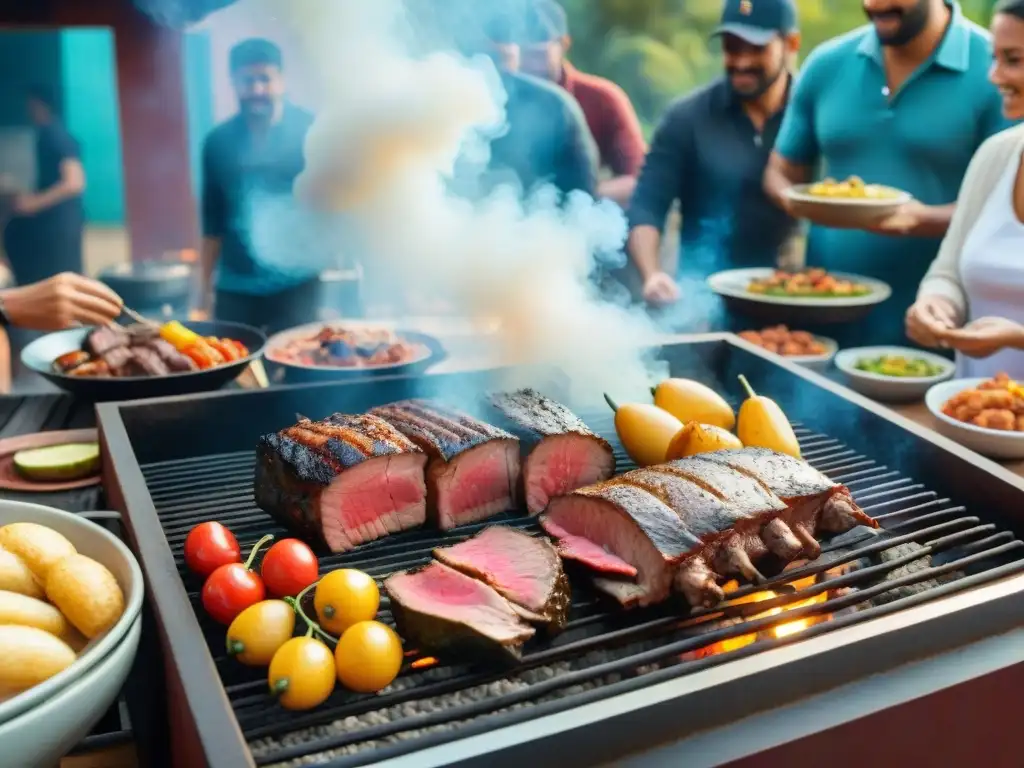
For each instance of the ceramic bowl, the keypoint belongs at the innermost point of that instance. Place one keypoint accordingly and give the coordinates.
(890, 389)
(994, 443)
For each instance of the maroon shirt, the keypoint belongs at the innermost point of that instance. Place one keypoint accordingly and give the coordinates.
(611, 118)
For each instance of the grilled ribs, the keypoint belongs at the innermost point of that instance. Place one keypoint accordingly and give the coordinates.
(341, 481)
(474, 466)
(561, 452)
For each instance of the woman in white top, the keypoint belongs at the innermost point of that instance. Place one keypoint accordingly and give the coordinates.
(972, 298)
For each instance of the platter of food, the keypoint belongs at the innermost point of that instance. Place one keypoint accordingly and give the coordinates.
(118, 362)
(985, 415)
(850, 203)
(800, 347)
(323, 352)
(810, 295)
(46, 462)
(893, 374)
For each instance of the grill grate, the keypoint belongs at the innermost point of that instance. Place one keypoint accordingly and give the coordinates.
(928, 547)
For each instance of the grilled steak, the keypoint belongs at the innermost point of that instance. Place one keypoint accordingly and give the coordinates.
(563, 454)
(105, 338)
(630, 523)
(525, 570)
(172, 358)
(442, 611)
(341, 481)
(145, 361)
(474, 467)
(118, 360)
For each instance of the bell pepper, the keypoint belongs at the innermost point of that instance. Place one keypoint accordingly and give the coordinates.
(178, 336)
(224, 348)
(203, 355)
(696, 438)
(690, 400)
(762, 424)
(645, 430)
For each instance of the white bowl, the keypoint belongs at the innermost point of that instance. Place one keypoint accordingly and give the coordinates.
(92, 541)
(46, 733)
(994, 443)
(819, 363)
(890, 389)
(844, 212)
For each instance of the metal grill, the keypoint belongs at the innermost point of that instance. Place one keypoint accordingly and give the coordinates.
(928, 547)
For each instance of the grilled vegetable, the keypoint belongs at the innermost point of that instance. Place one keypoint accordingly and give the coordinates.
(210, 545)
(368, 657)
(302, 673)
(234, 587)
(70, 461)
(696, 438)
(259, 631)
(690, 400)
(762, 424)
(645, 430)
(86, 593)
(224, 348)
(15, 576)
(178, 336)
(29, 612)
(288, 568)
(36, 545)
(29, 656)
(345, 597)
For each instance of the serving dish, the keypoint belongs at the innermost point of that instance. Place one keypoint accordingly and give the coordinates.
(891, 389)
(92, 541)
(843, 212)
(733, 285)
(994, 443)
(40, 354)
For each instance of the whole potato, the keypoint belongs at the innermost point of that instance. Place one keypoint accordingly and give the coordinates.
(28, 656)
(86, 593)
(39, 547)
(29, 612)
(15, 576)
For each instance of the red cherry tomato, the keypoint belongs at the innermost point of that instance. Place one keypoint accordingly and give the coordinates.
(209, 546)
(289, 567)
(230, 590)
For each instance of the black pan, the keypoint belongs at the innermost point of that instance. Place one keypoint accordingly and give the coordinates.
(40, 354)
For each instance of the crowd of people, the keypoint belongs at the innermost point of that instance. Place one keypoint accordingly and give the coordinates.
(919, 98)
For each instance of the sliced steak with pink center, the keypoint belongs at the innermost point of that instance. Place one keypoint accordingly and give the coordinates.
(563, 454)
(522, 568)
(474, 466)
(341, 481)
(631, 524)
(439, 610)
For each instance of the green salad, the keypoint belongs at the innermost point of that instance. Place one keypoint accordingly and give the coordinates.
(899, 366)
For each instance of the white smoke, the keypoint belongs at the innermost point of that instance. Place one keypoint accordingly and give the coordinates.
(386, 138)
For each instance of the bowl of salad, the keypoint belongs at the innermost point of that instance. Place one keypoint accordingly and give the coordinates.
(893, 374)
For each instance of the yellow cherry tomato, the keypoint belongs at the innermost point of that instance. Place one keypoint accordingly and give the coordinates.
(302, 673)
(697, 438)
(345, 597)
(259, 631)
(368, 657)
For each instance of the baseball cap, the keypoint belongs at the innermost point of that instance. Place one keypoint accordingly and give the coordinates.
(545, 21)
(757, 21)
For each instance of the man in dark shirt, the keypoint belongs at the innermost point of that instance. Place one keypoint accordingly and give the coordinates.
(45, 237)
(608, 110)
(250, 161)
(709, 152)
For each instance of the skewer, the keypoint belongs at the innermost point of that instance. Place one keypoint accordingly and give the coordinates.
(135, 316)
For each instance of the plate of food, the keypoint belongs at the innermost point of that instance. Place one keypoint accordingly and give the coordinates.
(985, 415)
(849, 204)
(800, 347)
(46, 462)
(323, 352)
(893, 374)
(811, 295)
(116, 362)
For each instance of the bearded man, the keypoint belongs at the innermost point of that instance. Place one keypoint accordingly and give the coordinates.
(709, 153)
(903, 101)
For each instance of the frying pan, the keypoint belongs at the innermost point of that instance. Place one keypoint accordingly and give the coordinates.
(284, 372)
(40, 354)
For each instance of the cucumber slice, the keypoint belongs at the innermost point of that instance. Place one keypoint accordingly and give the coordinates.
(71, 461)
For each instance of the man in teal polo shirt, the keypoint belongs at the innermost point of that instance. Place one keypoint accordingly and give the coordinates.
(903, 101)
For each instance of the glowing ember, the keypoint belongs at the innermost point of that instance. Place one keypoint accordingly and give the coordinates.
(426, 661)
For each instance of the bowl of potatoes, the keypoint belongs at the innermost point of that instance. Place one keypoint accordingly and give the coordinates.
(70, 597)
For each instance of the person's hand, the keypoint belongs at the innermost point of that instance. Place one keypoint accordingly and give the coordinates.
(27, 205)
(907, 220)
(63, 301)
(928, 318)
(660, 289)
(985, 336)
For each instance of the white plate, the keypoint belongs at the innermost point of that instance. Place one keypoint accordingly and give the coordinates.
(890, 389)
(735, 284)
(994, 443)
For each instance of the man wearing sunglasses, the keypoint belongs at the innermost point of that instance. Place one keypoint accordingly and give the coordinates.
(709, 153)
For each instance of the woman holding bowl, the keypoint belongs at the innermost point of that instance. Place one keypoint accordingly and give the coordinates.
(972, 298)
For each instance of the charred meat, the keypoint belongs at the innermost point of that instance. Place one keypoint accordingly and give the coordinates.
(341, 481)
(440, 610)
(524, 569)
(562, 453)
(106, 337)
(474, 467)
(172, 358)
(67, 362)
